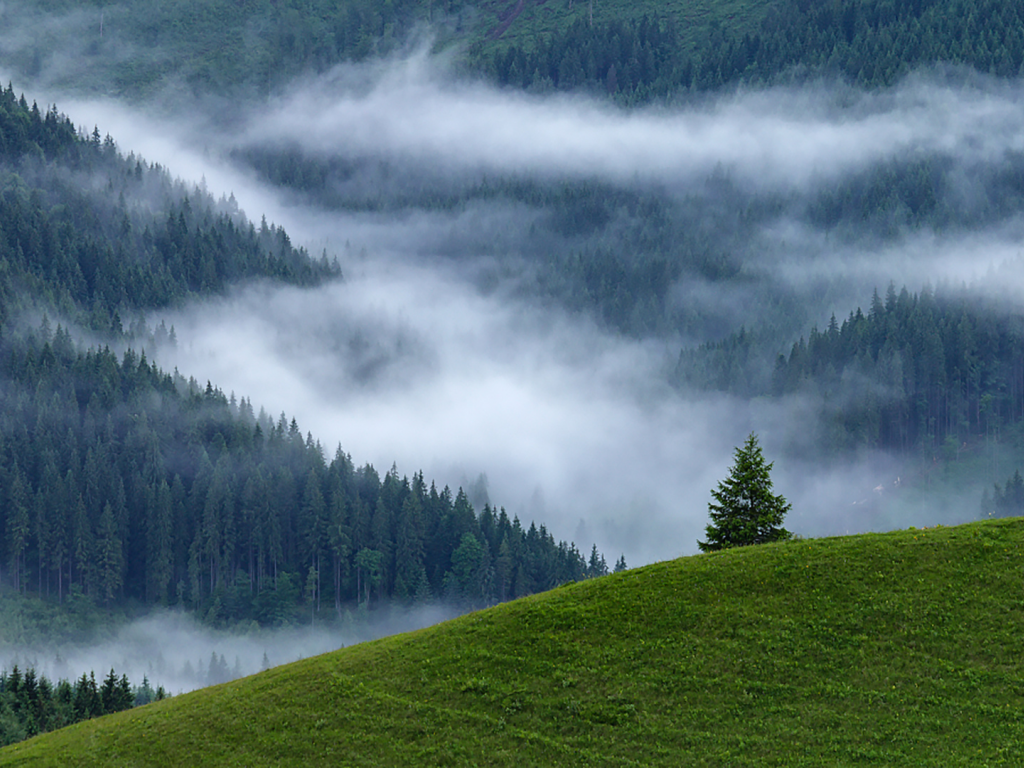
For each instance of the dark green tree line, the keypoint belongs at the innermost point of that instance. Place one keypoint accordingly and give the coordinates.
(933, 371)
(31, 704)
(227, 48)
(1006, 500)
(867, 42)
(122, 482)
(92, 233)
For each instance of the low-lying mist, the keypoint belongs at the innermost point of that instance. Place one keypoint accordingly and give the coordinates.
(775, 139)
(571, 426)
(173, 650)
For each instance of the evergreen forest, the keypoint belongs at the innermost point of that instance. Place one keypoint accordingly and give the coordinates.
(636, 52)
(31, 704)
(936, 372)
(131, 485)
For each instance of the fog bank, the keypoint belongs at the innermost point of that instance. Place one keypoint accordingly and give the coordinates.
(173, 650)
(781, 137)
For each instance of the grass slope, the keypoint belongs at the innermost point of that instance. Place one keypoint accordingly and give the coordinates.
(885, 649)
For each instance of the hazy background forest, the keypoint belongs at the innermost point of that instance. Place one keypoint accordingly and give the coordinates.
(537, 268)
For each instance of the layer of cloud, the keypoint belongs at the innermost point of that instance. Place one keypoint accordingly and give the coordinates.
(407, 364)
(778, 138)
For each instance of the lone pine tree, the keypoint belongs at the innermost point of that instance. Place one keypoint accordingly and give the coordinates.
(744, 510)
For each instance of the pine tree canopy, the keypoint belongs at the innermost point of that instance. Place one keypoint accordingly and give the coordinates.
(744, 510)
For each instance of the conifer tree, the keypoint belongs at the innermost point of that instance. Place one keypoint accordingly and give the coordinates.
(744, 510)
(110, 557)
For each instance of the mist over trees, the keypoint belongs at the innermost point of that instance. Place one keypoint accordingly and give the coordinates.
(124, 483)
(91, 233)
(940, 372)
(136, 47)
(635, 52)
(648, 256)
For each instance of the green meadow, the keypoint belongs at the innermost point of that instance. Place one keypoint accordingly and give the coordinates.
(889, 649)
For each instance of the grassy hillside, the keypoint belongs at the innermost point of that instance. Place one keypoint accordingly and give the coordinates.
(884, 649)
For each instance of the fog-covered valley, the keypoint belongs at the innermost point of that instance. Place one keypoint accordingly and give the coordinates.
(434, 352)
(438, 350)
(472, 337)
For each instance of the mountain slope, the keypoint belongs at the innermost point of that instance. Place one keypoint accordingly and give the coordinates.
(882, 649)
(87, 231)
(637, 51)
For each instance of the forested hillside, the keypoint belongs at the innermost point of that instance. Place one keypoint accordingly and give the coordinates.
(868, 42)
(31, 704)
(125, 483)
(936, 371)
(634, 52)
(89, 232)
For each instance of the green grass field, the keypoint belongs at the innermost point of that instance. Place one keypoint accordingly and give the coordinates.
(884, 649)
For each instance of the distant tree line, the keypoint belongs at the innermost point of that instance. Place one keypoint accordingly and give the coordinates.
(867, 42)
(1006, 500)
(30, 704)
(221, 46)
(225, 48)
(927, 371)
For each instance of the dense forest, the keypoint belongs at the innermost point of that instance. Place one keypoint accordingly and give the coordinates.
(31, 704)
(1005, 500)
(127, 483)
(121, 482)
(939, 371)
(91, 233)
(867, 42)
(634, 52)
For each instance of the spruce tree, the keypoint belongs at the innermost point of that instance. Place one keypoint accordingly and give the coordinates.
(744, 510)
